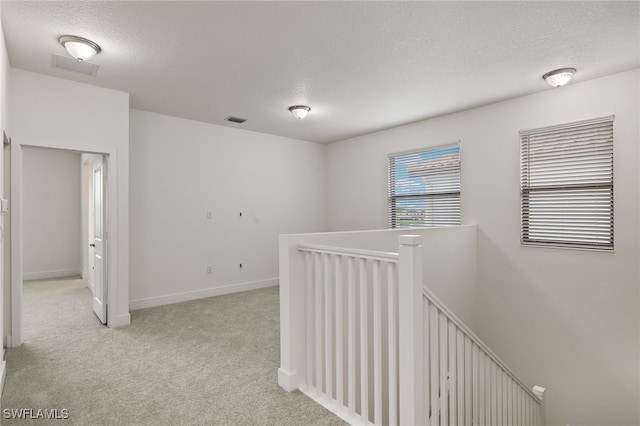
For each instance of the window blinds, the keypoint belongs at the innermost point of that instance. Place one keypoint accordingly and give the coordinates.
(567, 185)
(424, 187)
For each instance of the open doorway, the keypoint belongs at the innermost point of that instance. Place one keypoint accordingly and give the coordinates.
(63, 219)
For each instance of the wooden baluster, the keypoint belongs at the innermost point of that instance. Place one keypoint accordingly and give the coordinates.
(512, 403)
(518, 404)
(339, 332)
(328, 328)
(444, 388)
(435, 366)
(426, 315)
(505, 400)
(494, 393)
(460, 376)
(499, 380)
(364, 341)
(377, 344)
(487, 384)
(476, 384)
(392, 317)
(309, 318)
(453, 375)
(318, 322)
(482, 386)
(351, 345)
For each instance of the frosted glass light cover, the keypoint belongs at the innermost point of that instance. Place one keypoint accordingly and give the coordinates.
(299, 111)
(559, 77)
(80, 48)
(80, 51)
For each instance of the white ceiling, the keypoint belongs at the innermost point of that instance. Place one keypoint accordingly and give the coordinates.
(360, 66)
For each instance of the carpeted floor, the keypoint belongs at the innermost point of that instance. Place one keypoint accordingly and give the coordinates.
(207, 362)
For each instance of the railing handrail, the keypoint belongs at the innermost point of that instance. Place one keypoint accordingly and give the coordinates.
(466, 330)
(386, 256)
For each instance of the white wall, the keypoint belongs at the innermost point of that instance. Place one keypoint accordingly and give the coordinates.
(182, 169)
(51, 213)
(564, 319)
(55, 113)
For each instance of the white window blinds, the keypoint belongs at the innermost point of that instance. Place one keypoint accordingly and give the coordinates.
(567, 185)
(424, 187)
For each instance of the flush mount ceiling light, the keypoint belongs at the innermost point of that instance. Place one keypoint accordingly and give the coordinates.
(560, 77)
(299, 111)
(78, 47)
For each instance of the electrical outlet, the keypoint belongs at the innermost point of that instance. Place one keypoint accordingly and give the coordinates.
(209, 269)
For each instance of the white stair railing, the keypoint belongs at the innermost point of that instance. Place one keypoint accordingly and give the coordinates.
(379, 348)
(351, 332)
(468, 383)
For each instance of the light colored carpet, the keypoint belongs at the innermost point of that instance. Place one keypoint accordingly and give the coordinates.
(211, 361)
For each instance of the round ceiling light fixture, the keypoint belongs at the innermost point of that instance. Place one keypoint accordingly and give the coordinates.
(559, 77)
(78, 47)
(299, 111)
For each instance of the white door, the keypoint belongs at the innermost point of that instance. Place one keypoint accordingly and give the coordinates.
(98, 246)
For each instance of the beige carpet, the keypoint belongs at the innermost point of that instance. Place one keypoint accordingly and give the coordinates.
(208, 362)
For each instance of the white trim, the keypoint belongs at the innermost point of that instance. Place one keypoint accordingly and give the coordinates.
(186, 296)
(120, 320)
(16, 245)
(385, 256)
(60, 273)
(117, 257)
(287, 381)
(3, 373)
(427, 148)
(554, 128)
(332, 406)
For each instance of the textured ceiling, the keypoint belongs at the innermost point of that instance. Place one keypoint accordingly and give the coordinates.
(360, 66)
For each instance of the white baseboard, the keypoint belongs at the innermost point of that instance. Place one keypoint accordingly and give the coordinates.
(168, 299)
(91, 286)
(45, 275)
(287, 381)
(331, 405)
(3, 374)
(120, 321)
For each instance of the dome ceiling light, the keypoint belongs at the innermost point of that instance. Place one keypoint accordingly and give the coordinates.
(299, 111)
(559, 77)
(78, 47)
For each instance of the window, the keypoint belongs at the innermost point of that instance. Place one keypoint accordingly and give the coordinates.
(424, 187)
(566, 185)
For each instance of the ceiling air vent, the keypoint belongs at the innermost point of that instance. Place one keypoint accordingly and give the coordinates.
(74, 65)
(233, 119)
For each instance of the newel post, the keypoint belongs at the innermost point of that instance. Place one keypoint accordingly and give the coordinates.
(291, 314)
(410, 326)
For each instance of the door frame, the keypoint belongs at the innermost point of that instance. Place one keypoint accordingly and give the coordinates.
(113, 318)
